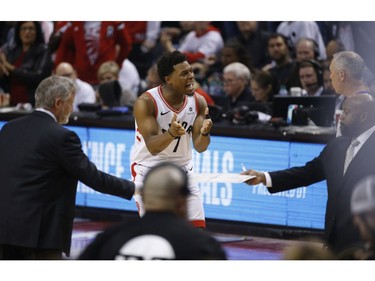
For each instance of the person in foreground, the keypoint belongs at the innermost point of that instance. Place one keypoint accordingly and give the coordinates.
(163, 233)
(363, 212)
(168, 119)
(333, 164)
(41, 163)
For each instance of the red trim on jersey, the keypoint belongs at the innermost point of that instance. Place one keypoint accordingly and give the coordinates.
(134, 173)
(155, 104)
(196, 103)
(167, 104)
(199, 223)
(138, 138)
(138, 207)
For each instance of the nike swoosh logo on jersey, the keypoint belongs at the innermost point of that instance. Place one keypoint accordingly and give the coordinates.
(163, 113)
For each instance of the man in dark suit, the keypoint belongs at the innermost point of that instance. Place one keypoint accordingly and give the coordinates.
(164, 232)
(41, 163)
(357, 125)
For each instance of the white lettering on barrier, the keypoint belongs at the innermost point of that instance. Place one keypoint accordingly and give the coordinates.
(299, 193)
(208, 162)
(107, 156)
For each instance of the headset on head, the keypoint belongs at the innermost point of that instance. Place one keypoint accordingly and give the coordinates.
(316, 47)
(317, 68)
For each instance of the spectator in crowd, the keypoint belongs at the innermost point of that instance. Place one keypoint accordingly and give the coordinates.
(88, 44)
(152, 79)
(306, 49)
(109, 71)
(145, 35)
(236, 80)
(344, 32)
(7, 34)
(41, 163)
(234, 51)
(343, 163)
(209, 73)
(129, 77)
(169, 119)
(263, 88)
(204, 41)
(163, 233)
(60, 27)
(254, 40)
(333, 46)
(282, 63)
(176, 30)
(294, 30)
(85, 93)
(25, 63)
(47, 29)
(311, 76)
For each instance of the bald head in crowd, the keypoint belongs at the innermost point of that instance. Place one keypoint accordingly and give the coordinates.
(65, 69)
(165, 188)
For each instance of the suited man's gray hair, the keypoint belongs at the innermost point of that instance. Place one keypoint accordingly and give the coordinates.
(351, 62)
(52, 88)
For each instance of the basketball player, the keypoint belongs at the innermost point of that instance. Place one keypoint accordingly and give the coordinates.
(168, 118)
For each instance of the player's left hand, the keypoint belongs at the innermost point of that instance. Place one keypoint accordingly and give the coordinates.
(207, 123)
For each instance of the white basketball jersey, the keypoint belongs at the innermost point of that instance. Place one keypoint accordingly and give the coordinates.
(179, 150)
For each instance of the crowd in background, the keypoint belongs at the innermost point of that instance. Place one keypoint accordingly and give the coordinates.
(235, 63)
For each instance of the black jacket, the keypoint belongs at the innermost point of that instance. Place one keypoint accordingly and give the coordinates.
(37, 65)
(41, 163)
(340, 233)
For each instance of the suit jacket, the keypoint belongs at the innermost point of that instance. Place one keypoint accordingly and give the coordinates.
(340, 232)
(41, 163)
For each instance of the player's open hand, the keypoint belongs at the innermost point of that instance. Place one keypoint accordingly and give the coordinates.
(176, 129)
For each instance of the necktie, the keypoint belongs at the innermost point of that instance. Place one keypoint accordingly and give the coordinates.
(350, 153)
